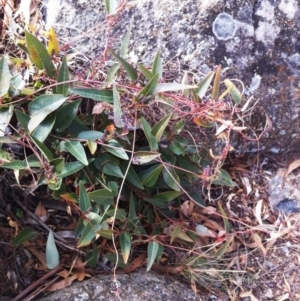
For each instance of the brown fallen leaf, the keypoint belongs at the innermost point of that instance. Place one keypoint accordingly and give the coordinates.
(136, 263)
(62, 284)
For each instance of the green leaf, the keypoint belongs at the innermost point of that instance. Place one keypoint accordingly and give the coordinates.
(52, 256)
(44, 128)
(125, 241)
(150, 176)
(225, 246)
(106, 233)
(147, 130)
(111, 6)
(177, 148)
(110, 75)
(84, 200)
(15, 165)
(23, 119)
(216, 85)
(117, 108)
(132, 177)
(42, 148)
(112, 169)
(171, 178)
(92, 257)
(204, 84)
(5, 76)
(24, 235)
(88, 233)
(5, 117)
(42, 106)
(160, 126)
(175, 233)
(179, 126)
(39, 54)
(162, 199)
(165, 87)
(125, 43)
(235, 93)
(116, 149)
(102, 196)
(153, 247)
(143, 157)
(65, 115)
(119, 213)
(132, 207)
(225, 218)
(157, 64)
(130, 70)
(224, 178)
(95, 94)
(71, 168)
(63, 77)
(90, 135)
(77, 150)
(149, 89)
(146, 72)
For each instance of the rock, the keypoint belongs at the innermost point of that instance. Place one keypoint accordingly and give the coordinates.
(258, 44)
(137, 286)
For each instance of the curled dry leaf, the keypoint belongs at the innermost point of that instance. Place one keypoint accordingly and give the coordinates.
(292, 167)
(187, 208)
(41, 212)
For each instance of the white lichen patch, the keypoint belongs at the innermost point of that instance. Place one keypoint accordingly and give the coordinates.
(206, 5)
(224, 27)
(289, 8)
(267, 33)
(266, 10)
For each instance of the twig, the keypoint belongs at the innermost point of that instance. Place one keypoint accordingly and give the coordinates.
(36, 284)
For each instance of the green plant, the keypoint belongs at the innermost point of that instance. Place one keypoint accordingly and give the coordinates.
(119, 154)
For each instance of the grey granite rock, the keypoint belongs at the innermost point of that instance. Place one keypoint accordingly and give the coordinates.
(258, 43)
(138, 286)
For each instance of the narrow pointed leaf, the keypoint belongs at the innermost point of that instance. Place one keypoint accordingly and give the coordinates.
(88, 233)
(42, 106)
(102, 196)
(165, 87)
(5, 76)
(63, 77)
(95, 94)
(112, 169)
(204, 84)
(5, 117)
(116, 149)
(111, 6)
(77, 150)
(225, 218)
(130, 70)
(146, 72)
(43, 149)
(39, 54)
(65, 115)
(24, 235)
(152, 252)
(171, 178)
(53, 47)
(90, 135)
(150, 176)
(157, 64)
(143, 157)
(160, 127)
(44, 128)
(117, 108)
(132, 177)
(125, 43)
(125, 241)
(216, 86)
(224, 247)
(110, 75)
(149, 89)
(235, 93)
(52, 256)
(71, 168)
(84, 200)
(23, 119)
(147, 130)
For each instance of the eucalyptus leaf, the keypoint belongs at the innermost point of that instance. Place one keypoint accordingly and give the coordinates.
(52, 256)
(5, 76)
